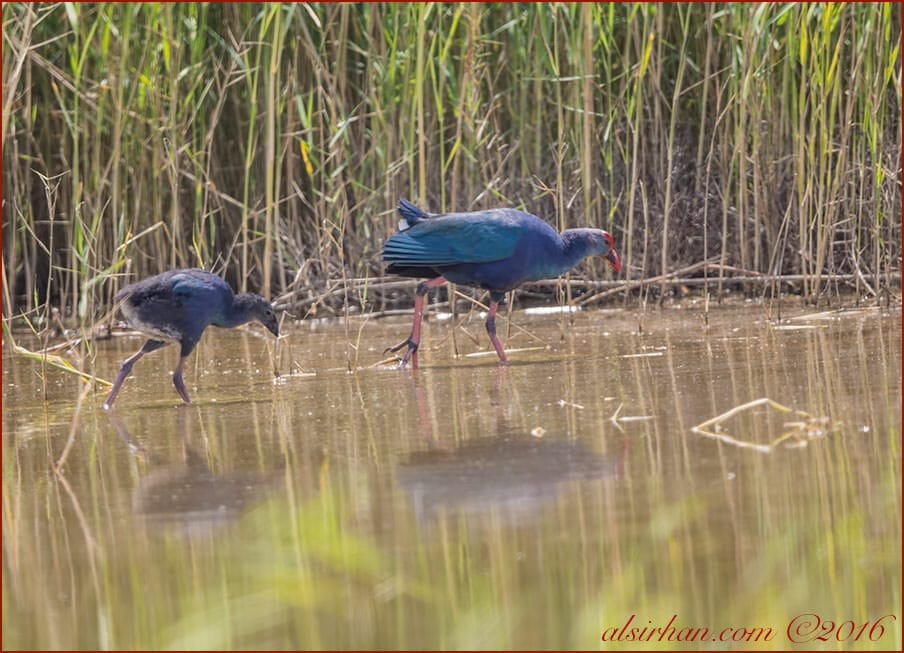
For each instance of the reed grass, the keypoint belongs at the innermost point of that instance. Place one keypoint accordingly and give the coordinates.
(270, 142)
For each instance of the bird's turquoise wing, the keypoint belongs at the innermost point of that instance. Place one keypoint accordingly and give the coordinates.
(455, 238)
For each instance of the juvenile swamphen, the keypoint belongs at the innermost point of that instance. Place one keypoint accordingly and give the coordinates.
(177, 306)
(497, 250)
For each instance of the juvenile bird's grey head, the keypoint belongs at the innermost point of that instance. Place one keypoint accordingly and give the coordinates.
(258, 308)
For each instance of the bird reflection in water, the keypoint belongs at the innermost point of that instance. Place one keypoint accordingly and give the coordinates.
(512, 473)
(187, 496)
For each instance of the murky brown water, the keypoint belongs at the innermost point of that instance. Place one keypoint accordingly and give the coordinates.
(545, 504)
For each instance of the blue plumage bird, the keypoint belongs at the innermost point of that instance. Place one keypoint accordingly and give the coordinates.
(496, 249)
(177, 306)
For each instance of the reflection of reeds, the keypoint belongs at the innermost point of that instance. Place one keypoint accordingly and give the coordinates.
(270, 142)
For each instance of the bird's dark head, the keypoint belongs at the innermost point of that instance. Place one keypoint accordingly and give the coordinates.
(605, 246)
(258, 308)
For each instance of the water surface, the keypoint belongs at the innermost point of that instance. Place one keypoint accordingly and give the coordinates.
(537, 505)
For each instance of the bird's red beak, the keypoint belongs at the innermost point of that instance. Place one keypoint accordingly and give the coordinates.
(614, 261)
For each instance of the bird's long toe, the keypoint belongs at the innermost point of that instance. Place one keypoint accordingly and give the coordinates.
(411, 344)
(410, 354)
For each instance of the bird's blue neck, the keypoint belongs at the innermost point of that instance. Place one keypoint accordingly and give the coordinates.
(235, 314)
(577, 244)
(559, 255)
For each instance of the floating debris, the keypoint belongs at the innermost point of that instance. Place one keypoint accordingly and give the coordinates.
(538, 432)
(551, 310)
(615, 419)
(283, 379)
(563, 403)
(796, 434)
(799, 327)
(836, 314)
(507, 351)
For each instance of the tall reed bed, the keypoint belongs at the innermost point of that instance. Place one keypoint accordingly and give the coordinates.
(270, 142)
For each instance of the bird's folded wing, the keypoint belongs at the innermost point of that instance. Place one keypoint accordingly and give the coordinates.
(452, 239)
(189, 285)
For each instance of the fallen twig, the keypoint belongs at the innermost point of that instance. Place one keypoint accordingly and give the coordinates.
(803, 431)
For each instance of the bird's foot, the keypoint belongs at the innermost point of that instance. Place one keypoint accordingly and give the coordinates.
(412, 351)
(180, 385)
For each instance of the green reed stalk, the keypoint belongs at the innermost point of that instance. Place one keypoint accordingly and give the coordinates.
(667, 203)
(420, 65)
(252, 79)
(272, 82)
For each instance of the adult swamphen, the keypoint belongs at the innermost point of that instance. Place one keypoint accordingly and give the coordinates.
(177, 306)
(497, 250)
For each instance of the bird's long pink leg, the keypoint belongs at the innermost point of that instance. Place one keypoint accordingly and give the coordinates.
(491, 330)
(124, 371)
(414, 340)
(126, 368)
(178, 382)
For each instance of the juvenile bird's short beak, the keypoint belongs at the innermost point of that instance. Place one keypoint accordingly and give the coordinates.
(273, 327)
(614, 261)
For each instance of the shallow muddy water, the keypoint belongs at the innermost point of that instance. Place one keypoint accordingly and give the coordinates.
(551, 503)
